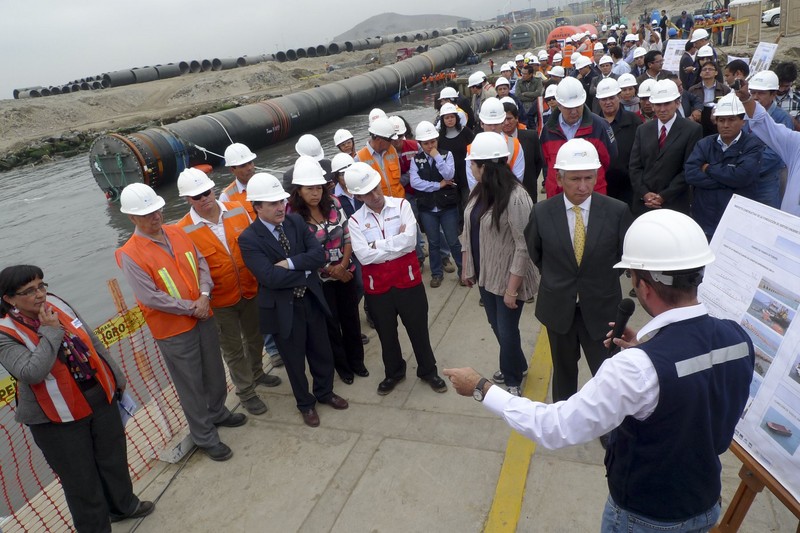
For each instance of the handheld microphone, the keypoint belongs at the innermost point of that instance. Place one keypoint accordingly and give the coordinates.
(624, 311)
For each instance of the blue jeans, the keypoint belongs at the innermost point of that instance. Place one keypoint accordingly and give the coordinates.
(617, 520)
(269, 344)
(505, 324)
(443, 248)
(438, 222)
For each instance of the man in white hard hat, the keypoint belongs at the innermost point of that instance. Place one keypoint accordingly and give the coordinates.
(659, 152)
(781, 139)
(214, 227)
(492, 117)
(670, 411)
(383, 235)
(764, 88)
(572, 120)
(653, 67)
(503, 89)
(284, 257)
(638, 67)
(605, 64)
(481, 89)
(241, 162)
(723, 165)
(382, 156)
(529, 144)
(171, 282)
(585, 73)
(519, 62)
(528, 89)
(579, 291)
(309, 145)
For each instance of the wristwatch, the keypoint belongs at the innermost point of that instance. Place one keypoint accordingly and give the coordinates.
(478, 392)
(206, 294)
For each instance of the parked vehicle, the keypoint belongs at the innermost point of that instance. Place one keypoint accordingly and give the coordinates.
(772, 17)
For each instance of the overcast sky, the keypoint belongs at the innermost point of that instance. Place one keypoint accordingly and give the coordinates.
(49, 43)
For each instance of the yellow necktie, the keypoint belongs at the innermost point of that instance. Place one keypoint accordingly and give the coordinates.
(579, 240)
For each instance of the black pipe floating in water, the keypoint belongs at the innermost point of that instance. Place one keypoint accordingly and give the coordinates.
(157, 155)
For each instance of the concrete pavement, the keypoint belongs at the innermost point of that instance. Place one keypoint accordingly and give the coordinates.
(412, 461)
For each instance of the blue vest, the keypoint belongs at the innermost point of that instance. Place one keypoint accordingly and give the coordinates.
(667, 466)
(443, 198)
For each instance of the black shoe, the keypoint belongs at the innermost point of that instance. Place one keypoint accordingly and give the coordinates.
(348, 380)
(387, 385)
(219, 452)
(234, 420)
(436, 383)
(362, 372)
(143, 509)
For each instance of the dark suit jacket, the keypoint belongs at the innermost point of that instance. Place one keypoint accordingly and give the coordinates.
(597, 282)
(534, 160)
(690, 103)
(261, 250)
(661, 171)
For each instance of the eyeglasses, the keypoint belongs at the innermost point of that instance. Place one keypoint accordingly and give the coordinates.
(42, 287)
(201, 195)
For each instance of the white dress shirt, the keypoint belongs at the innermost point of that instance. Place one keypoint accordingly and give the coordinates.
(668, 124)
(625, 385)
(376, 237)
(585, 206)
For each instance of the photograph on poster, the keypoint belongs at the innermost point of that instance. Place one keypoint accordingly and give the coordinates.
(794, 371)
(779, 293)
(781, 430)
(762, 362)
(772, 313)
(761, 335)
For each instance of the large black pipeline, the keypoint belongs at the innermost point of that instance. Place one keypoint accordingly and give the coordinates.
(531, 34)
(157, 155)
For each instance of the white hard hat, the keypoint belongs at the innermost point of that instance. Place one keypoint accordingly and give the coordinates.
(765, 80)
(361, 178)
(139, 199)
(622, 26)
(492, 111)
(448, 109)
(542, 55)
(598, 46)
(533, 60)
(488, 145)
(448, 92)
(193, 181)
(476, 78)
(603, 28)
(593, 36)
(705, 51)
(729, 106)
(399, 125)
(631, 37)
(582, 62)
(264, 187)
(529, 55)
(577, 154)
(426, 131)
(502, 81)
(340, 162)
(639, 51)
(376, 114)
(238, 154)
(604, 60)
(382, 127)
(557, 71)
(611, 40)
(309, 145)
(627, 80)
(550, 92)
(519, 57)
(654, 22)
(341, 136)
(574, 57)
(645, 88)
(307, 172)
(558, 57)
(664, 91)
(613, 27)
(699, 34)
(508, 100)
(607, 87)
(664, 240)
(570, 93)
(505, 67)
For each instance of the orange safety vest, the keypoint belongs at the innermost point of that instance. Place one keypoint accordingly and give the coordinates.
(232, 193)
(390, 182)
(513, 146)
(58, 395)
(176, 276)
(232, 279)
(566, 55)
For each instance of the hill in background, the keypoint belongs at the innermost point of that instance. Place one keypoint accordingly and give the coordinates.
(390, 23)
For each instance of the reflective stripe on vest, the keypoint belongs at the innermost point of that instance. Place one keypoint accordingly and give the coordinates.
(58, 395)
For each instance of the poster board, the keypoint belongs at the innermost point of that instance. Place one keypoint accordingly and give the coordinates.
(673, 53)
(762, 57)
(748, 14)
(755, 280)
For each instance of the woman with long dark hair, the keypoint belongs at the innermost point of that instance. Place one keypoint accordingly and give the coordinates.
(495, 255)
(326, 220)
(67, 392)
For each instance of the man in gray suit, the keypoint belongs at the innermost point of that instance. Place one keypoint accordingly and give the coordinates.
(574, 239)
(660, 149)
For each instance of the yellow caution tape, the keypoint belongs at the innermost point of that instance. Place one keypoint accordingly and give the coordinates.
(120, 327)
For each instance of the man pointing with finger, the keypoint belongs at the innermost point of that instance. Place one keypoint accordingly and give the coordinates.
(671, 399)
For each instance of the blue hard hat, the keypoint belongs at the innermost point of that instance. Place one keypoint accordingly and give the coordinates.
(672, 32)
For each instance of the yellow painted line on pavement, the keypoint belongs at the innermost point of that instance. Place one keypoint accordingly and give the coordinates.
(507, 504)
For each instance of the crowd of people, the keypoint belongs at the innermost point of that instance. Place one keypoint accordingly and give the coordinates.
(282, 263)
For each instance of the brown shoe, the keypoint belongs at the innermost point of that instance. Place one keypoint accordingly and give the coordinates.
(337, 402)
(436, 281)
(310, 417)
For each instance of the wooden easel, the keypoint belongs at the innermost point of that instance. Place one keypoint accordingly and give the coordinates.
(754, 478)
